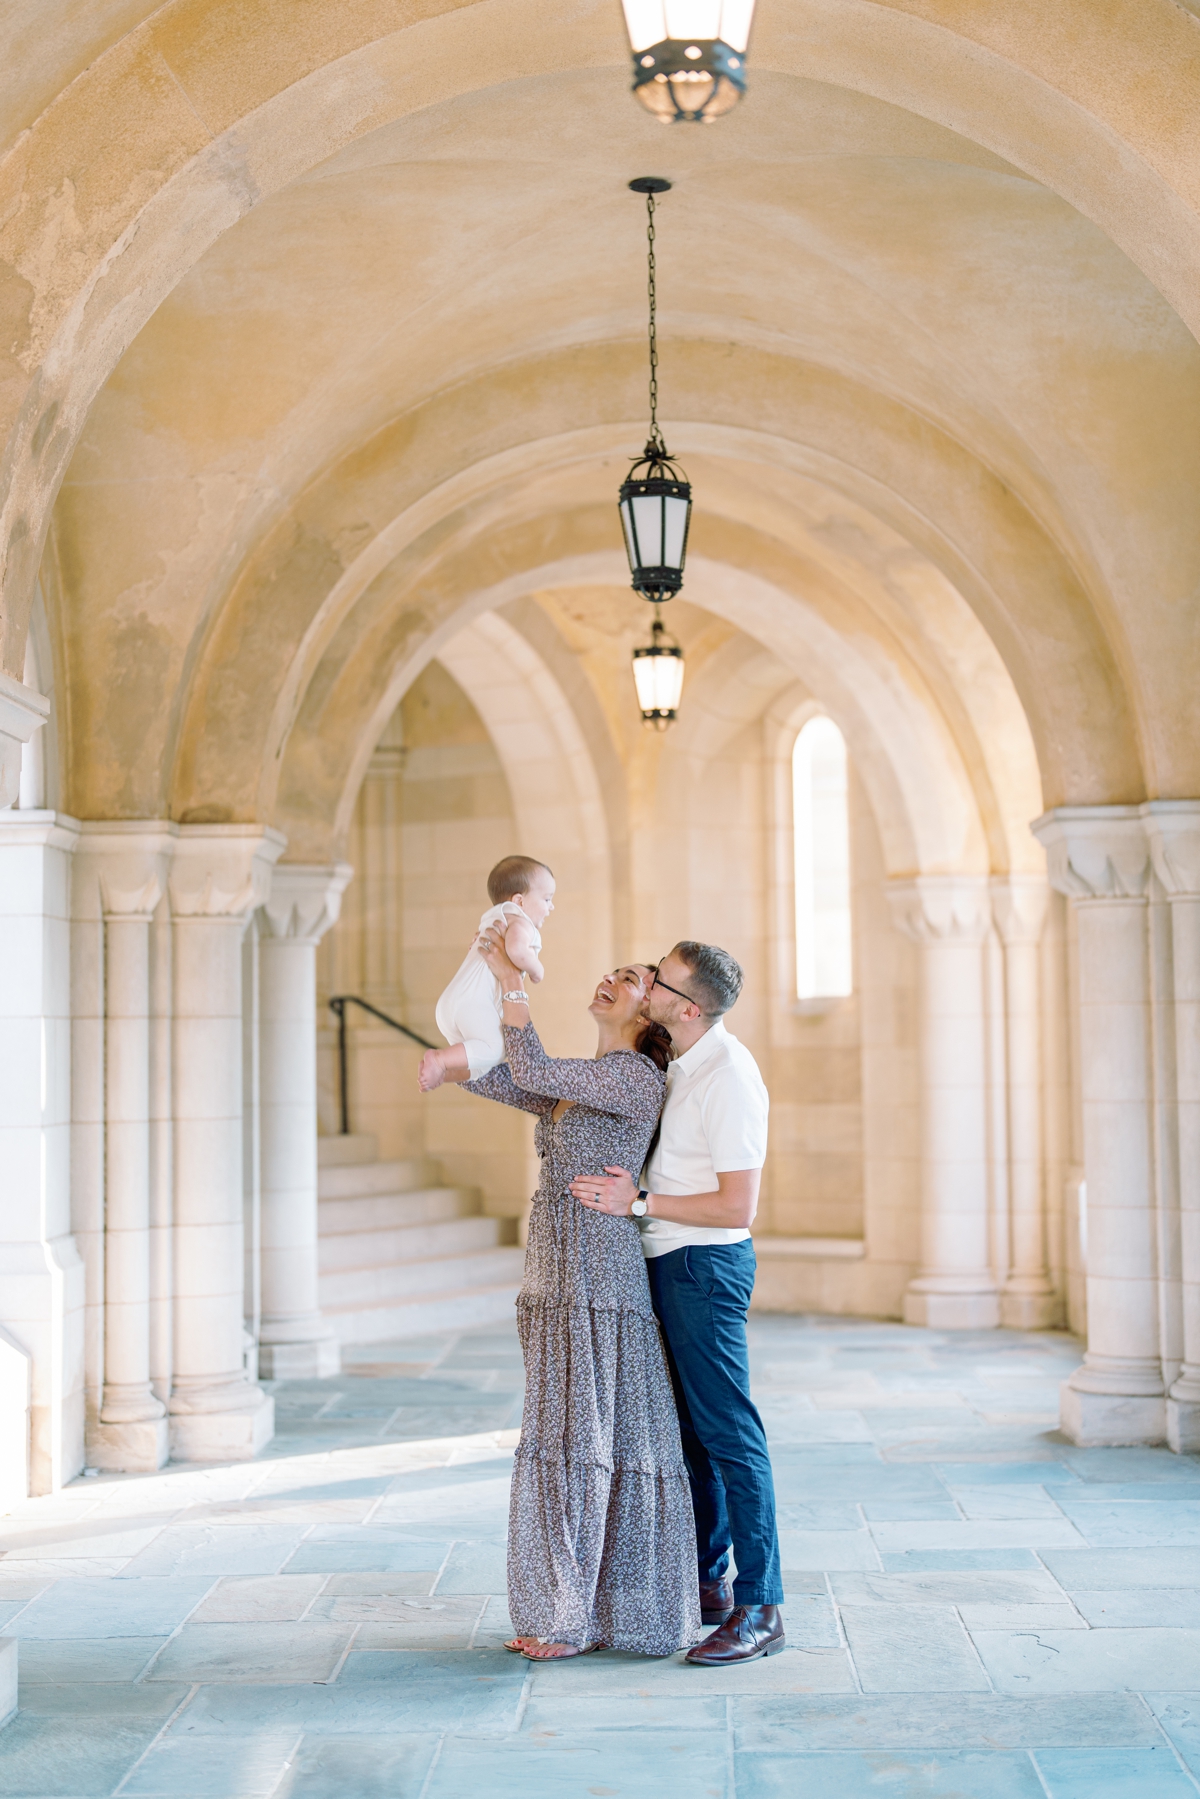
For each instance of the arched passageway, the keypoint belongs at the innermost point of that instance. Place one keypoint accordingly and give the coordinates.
(319, 381)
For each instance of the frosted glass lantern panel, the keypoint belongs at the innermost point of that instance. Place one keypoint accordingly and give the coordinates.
(659, 682)
(654, 21)
(821, 827)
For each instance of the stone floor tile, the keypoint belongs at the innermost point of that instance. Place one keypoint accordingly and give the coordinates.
(216, 1768)
(1137, 1523)
(927, 1721)
(117, 1702)
(213, 1549)
(267, 1653)
(76, 1542)
(111, 1608)
(1179, 1716)
(990, 1616)
(901, 1774)
(818, 1514)
(453, 1628)
(259, 1598)
(1113, 1774)
(911, 1649)
(798, 1581)
(1003, 1503)
(548, 1714)
(48, 1661)
(1135, 1607)
(1107, 1492)
(1098, 1570)
(47, 1758)
(1015, 1533)
(417, 1693)
(366, 1549)
(1131, 1464)
(929, 1561)
(796, 1670)
(1047, 1473)
(475, 1567)
(359, 1767)
(810, 1622)
(905, 1511)
(835, 1550)
(413, 1611)
(1096, 1661)
(639, 1765)
(983, 1586)
(400, 1583)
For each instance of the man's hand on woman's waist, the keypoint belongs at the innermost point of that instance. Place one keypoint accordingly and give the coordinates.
(731, 1207)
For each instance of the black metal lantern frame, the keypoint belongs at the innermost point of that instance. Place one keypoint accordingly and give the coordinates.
(689, 83)
(656, 496)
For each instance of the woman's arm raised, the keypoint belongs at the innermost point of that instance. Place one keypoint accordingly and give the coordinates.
(499, 1085)
(629, 1085)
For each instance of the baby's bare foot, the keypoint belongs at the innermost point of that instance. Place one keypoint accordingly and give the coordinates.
(432, 1072)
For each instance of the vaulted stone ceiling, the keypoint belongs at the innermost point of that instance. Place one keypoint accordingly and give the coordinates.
(339, 340)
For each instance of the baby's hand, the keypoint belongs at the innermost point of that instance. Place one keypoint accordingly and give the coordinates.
(432, 1071)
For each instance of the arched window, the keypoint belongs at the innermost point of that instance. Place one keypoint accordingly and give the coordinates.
(821, 824)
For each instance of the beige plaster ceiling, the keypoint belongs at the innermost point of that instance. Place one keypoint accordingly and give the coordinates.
(382, 360)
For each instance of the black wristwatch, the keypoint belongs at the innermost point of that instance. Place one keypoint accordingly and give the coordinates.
(639, 1208)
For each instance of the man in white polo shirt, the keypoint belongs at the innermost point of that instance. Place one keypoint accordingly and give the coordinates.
(695, 1212)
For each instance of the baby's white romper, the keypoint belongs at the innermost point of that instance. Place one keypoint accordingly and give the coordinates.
(468, 1012)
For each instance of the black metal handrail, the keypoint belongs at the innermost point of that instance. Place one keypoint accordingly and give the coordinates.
(337, 1006)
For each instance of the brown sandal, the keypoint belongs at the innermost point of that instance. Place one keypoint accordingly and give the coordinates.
(566, 1651)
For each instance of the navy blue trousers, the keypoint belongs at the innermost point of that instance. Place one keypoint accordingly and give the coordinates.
(701, 1295)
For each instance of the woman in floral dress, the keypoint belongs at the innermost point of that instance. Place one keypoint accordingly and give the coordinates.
(601, 1540)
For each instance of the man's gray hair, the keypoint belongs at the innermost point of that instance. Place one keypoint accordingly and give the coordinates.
(716, 978)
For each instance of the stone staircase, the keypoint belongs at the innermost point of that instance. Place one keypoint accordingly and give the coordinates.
(401, 1253)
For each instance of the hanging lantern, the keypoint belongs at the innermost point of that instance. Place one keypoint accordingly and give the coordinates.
(658, 677)
(656, 499)
(689, 56)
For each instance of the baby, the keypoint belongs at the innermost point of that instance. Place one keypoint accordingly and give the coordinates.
(468, 1013)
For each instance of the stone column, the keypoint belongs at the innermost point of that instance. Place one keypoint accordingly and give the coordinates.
(1019, 904)
(41, 1274)
(295, 1342)
(22, 712)
(1099, 856)
(948, 917)
(218, 875)
(128, 863)
(1173, 830)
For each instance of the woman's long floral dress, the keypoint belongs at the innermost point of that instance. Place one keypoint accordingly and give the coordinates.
(601, 1540)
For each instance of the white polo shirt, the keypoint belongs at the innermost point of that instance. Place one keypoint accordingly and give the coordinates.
(714, 1120)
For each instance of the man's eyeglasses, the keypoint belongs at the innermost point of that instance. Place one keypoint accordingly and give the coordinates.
(659, 982)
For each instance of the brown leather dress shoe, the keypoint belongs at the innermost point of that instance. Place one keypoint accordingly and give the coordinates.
(748, 1632)
(716, 1601)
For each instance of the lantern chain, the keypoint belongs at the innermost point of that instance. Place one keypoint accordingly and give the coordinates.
(656, 443)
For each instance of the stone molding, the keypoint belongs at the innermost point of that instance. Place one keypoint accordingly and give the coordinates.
(23, 710)
(1019, 907)
(128, 862)
(50, 830)
(941, 908)
(1173, 832)
(1096, 853)
(304, 901)
(222, 871)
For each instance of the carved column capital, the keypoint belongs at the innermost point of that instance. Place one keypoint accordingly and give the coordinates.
(1019, 904)
(22, 712)
(222, 871)
(941, 908)
(122, 865)
(304, 901)
(1096, 853)
(1173, 834)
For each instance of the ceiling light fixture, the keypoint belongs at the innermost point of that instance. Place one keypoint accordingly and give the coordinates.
(689, 56)
(656, 510)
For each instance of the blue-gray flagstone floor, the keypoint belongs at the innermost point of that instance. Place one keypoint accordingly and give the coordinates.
(976, 1609)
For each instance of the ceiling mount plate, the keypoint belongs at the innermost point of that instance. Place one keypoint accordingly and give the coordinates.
(650, 184)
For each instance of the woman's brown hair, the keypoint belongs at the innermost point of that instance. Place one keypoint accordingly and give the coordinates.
(655, 1042)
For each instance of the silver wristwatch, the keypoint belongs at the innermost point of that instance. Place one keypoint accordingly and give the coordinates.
(639, 1208)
